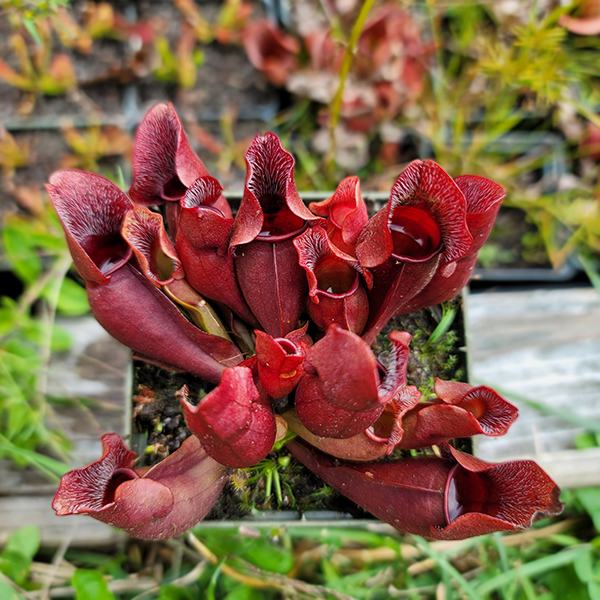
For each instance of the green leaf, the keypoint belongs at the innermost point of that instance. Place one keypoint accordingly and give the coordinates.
(586, 440)
(565, 584)
(591, 270)
(90, 585)
(212, 586)
(335, 536)
(447, 568)
(594, 590)
(174, 592)
(23, 356)
(37, 332)
(260, 552)
(61, 339)
(18, 553)
(244, 593)
(119, 179)
(49, 466)
(590, 499)
(584, 567)
(329, 572)
(72, 299)
(25, 541)
(14, 565)
(30, 26)
(8, 593)
(50, 242)
(270, 557)
(22, 254)
(547, 564)
(10, 317)
(442, 328)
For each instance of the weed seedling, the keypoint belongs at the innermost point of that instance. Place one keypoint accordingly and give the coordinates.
(269, 470)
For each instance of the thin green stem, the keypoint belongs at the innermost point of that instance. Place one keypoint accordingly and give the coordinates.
(57, 272)
(277, 484)
(442, 328)
(336, 104)
(590, 270)
(448, 569)
(534, 568)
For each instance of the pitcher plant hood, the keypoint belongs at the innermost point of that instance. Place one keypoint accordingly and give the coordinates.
(452, 497)
(159, 502)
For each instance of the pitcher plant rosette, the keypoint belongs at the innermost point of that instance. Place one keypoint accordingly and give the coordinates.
(277, 308)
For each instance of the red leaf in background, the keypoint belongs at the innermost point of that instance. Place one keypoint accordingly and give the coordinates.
(270, 50)
(588, 20)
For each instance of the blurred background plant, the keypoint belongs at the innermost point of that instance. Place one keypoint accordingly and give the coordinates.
(495, 89)
(507, 90)
(557, 559)
(39, 258)
(29, 13)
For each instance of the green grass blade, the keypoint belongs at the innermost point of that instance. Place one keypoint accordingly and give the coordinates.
(533, 569)
(442, 328)
(447, 568)
(590, 270)
(53, 469)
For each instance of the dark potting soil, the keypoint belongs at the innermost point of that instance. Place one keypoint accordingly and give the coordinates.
(158, 426)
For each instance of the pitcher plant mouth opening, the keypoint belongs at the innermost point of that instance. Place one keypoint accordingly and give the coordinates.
(335, 277)
(278, 220)
(280, 227)
(415, 235)
(173, 190)
(466, 492)
(338, 215)
(118, 477)
(277, 309)
(107, 252)
(288, 347)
